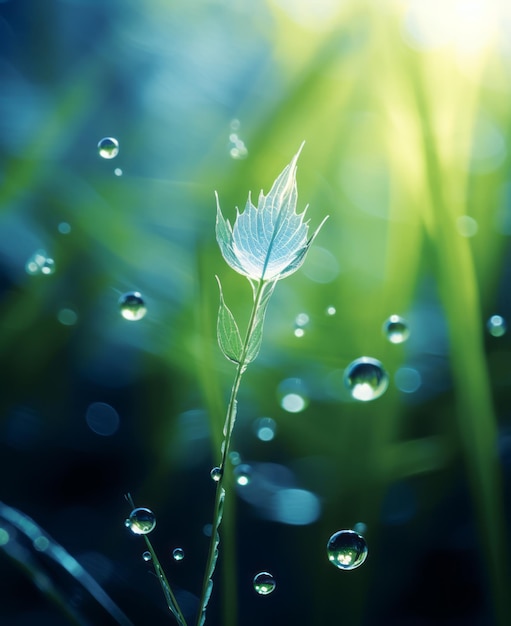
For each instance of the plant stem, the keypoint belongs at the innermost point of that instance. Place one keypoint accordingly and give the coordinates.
(227, 431)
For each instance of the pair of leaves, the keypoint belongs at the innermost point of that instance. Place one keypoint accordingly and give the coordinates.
(229, 337)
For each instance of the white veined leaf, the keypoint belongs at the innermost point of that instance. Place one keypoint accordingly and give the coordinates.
(228, 334)
(267, 242)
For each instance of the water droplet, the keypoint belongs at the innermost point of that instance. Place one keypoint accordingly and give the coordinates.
(407, 379)
(346, 549)
(40, 263)
(67, 317)
(293, 395)
(396, 329)
(265, 428)
(264, 583)
(178, 554)
(331, 310)
(64, 228)
(132, 305)
(235, 457)
(118, 171)
(366, 379)
(147, 556)
(302, 319)
(243, 474)
(108, 148)
(141, 521)
(299, 332)
(216, 474)
(496, 326)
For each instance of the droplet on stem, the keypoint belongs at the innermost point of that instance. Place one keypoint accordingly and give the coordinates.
(141, 521)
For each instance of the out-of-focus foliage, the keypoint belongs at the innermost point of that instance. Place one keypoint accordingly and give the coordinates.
(404, 107)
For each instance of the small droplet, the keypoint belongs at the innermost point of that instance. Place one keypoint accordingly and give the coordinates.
(243, 474)
(178, 554)
(346, 549)
(396, 329)
(235, 457)
(216, 474)
(301, 320)
(331, 310)
(132, 305)
(118, 171)
(108, 148)
(366, 379)
(496, 326)
(141, 521)
(147, 556)
(265, 428)
(299, 332)
(64, 228)
(264, 583)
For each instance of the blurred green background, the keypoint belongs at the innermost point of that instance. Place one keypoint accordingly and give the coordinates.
(404, 107)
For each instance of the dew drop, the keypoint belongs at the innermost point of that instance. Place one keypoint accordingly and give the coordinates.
(331, 310)
(108, 148)
(132, 305)
(366, 379)
(396, 329)
(496, 326)
(346, 549)
(299, 332)
(265, 428)
(243, 474)
(141, 521)
(216, 474)
(264, 583)
(178, 554)
(147, 556)
(118, 171)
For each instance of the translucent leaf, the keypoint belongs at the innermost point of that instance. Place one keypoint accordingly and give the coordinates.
(228, 334)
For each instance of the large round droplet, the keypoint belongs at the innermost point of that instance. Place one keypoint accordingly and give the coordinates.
(108, 148)
(496, 326)
(346, 549)
(366, 379)
(141, 521)
(396, 329)
(132, 305)
(178, 554)
(146, 556)
(264, 583)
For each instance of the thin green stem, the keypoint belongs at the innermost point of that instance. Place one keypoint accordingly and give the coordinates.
(228, 428)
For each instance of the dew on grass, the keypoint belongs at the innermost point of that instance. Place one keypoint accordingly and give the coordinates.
(147, 556)
(108, 148)
(496, 326)
(132, 305)
(178, 554)
(40, 263)
(346, 549)
(396, 329)
(264, 583)
(216, 474)
(141, 521)
(242, 474)
(366, 379)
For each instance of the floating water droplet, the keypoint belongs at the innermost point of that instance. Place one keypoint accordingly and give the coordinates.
(40, 263)
(243, 474)
(216, 474)
(141, 521)
(366, 379)
(108, 148)
(118, 171)
(132, 305)
(293, 395)
(265, 428)
(396, 329)
(331, 310)
(346, 549)
(264, 583)
(147, 556)
(299, 332)
(64, 228)
(67, 317)
(496, 326)
(178, 554)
